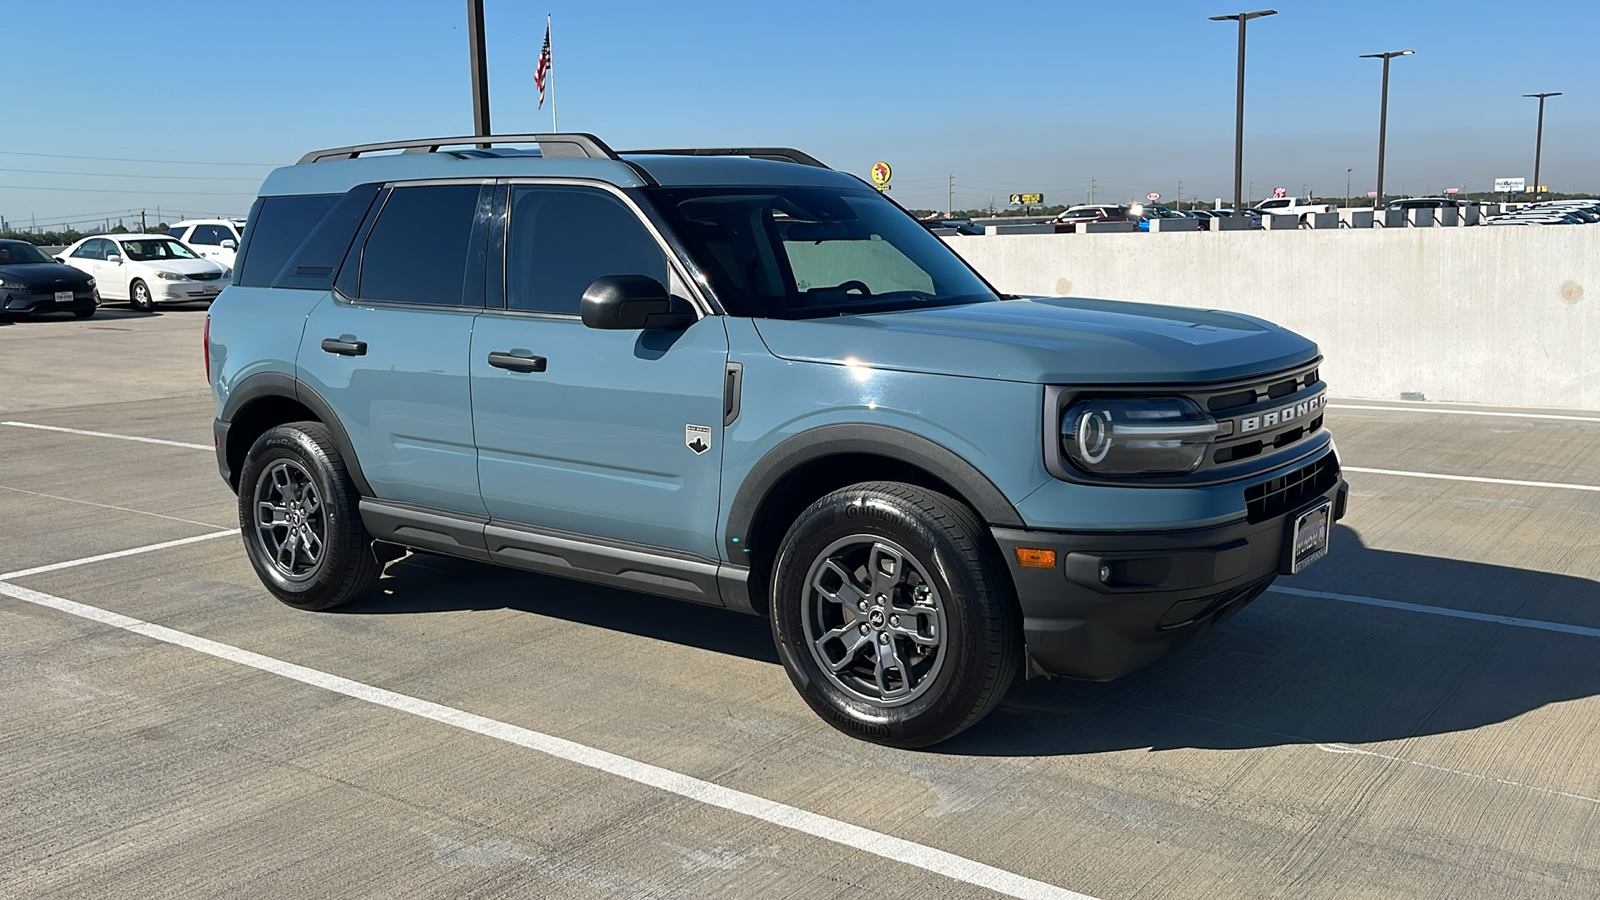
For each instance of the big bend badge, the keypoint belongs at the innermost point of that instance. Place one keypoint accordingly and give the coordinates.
(697, 438)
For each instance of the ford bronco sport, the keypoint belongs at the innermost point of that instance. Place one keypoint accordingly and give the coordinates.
(740, 378)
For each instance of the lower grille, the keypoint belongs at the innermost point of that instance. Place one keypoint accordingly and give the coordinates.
(205, 276)
(1185, 612)
(1271, 499)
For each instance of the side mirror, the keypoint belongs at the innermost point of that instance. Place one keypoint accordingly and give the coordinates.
(114, 258)
(60, 260)
(229, 244)
(632, 301)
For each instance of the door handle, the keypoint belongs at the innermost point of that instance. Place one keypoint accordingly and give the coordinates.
(343, 347)
(516, 363)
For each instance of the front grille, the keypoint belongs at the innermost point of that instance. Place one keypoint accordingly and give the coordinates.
(1271, 499)
(1185, 612)
(206, 276)
(49, 289)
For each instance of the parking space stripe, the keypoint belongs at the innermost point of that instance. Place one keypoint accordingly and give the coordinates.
(1468, 412)
(142, 512)
(1513, 621)
(854, 837)
(1560, 485)
(148, 548)
(106, 434)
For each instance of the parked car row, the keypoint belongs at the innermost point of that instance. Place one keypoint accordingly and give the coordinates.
(1553, 212)
(143, 269)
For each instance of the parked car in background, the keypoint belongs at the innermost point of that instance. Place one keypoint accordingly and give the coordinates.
(1292, 206)
(1146, 213)
(1078, 215)
(32, 283)
(1227, 212)
(1204, 215)
(214, 239)
(146, 269)
(960, 226)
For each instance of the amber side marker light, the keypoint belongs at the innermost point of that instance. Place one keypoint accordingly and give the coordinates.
(1037, 559)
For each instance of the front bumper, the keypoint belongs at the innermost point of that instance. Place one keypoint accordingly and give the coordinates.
(188, 291)
(16, 303)
(1165, 587)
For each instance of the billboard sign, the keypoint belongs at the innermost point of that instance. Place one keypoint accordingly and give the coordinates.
(1027, 199)
(1510, 185)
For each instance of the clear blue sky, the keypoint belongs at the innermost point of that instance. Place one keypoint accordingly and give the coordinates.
(1009, 96)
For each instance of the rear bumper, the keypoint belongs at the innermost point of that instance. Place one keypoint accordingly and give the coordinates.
(1165, 588)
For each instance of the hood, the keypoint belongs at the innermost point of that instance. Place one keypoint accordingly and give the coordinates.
(43, 273)
(1048, 341)
(184, 266)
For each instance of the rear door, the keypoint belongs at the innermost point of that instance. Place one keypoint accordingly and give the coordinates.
(388, 352)
(611, 433)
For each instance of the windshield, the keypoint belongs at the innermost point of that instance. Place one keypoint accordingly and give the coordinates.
(152, 249)
(19, 253)
(799, 253)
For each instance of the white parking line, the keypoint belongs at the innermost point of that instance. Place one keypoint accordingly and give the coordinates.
(1561, 485)
(106, 434)
(142, 512)
(930, 859)
(1468, 412)
(72, 563)
(1513, 621)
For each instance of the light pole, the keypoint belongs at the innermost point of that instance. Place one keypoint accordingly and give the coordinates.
(1538, 142)
(1238, 129)
(1383, 114)
(480, 69)
(1347, 171)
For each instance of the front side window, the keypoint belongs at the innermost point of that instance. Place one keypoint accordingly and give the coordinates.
(562, 238)
(417, 251)
(155, 249)
(803, 252)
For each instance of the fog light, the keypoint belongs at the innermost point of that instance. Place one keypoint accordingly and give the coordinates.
(1036, 559)
(1105, 573)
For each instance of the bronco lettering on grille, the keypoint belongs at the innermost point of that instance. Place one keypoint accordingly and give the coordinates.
(1281, 416)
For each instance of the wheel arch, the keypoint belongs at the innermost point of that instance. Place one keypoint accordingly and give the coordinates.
(269, 399)
(807, 466)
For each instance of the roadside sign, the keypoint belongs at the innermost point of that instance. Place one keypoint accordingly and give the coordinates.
(881, 173)
(1027, 199)
(1279, 193)
(1510, 185)
(1152, 196)
(1372, 193)
(1452, 190)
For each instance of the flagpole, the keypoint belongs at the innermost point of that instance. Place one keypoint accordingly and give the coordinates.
(555, 125)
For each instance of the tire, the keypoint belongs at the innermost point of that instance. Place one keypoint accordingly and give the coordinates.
(84, 313)
(941, 602)
(139, 297)
(314, 553)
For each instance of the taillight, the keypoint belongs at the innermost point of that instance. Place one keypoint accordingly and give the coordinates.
(205, 347)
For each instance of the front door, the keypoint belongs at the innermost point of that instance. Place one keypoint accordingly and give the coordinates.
(90, 257)
(616, 433)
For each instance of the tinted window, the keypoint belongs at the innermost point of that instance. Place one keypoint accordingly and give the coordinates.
(155, 249)
(94, 249)
(177, 232)
(209, 234)
(563, 238)
(417, 251)
(280, 224)
(313, 265)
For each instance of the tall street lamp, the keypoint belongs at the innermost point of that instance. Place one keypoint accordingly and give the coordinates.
(1238, 131)
(1383, 115)
(1538, 142)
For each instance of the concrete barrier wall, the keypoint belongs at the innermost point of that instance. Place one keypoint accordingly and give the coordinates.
(1502, 316)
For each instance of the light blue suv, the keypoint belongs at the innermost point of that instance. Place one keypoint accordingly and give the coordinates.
(740, 378)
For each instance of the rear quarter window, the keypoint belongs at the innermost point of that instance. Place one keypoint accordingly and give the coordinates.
(278, 225)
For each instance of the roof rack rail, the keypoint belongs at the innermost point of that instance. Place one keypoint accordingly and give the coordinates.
(781, 154)
(576, 145)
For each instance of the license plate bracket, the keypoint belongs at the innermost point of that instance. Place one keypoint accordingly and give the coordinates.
(63, 296)
(1308, 537)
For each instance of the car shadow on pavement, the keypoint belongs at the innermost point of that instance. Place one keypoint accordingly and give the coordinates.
(424, 582)
(1303, 670)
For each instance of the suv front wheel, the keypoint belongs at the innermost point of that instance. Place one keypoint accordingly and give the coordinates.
(892, 615)
(300, 520)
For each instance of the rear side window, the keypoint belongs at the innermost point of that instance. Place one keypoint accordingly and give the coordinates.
(177, 232)
(563, 238)
(210, 235)
(313, 265)
(278, 226)
(417, 251)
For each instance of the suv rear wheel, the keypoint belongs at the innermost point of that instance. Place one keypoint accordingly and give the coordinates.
(299, 517)
(893, 616)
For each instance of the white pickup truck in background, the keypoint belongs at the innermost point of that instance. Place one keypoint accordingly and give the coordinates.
(1293, 206)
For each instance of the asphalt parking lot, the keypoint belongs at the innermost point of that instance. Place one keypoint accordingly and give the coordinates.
(1415, 716)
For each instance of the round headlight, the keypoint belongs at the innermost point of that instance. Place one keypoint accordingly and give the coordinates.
(1121, 436)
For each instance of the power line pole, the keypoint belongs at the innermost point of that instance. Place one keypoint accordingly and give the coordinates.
(949, 190)
(1091, 190)
(480, 71)
(1538, 142)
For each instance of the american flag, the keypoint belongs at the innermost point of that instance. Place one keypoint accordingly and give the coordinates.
(542, 74)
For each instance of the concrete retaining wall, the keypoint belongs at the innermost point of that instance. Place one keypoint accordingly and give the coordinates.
(1502, 316)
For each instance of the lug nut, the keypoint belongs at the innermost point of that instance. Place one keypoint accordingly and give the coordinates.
(883, 639)
(864, 628)
(895, 621)
(861, 605)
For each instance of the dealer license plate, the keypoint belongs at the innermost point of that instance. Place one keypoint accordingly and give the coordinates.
(1310, 536)
(63, 296)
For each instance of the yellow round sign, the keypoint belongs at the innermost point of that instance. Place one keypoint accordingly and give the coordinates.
(881, 172)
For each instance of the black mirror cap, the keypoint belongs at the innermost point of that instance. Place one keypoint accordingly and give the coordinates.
(632, 302)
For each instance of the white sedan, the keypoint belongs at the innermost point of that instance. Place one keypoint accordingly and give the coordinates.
(146, 269)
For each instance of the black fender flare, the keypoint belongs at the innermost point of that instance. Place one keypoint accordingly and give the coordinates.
(278, 384)
(858, 438)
